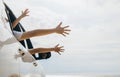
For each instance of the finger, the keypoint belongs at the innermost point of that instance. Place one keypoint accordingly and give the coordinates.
(26, 10)
(27, 15)
(66, 27)
(60, 24)
(67, 30)
(59, 53)
(62, 50)
(61, 47)
(57, 45)
(66, 33)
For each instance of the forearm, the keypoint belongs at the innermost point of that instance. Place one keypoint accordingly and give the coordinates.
(14, 24)
(41, 32)
(41, 50)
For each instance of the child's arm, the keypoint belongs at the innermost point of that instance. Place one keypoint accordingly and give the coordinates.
(24, 14)
(44, 50)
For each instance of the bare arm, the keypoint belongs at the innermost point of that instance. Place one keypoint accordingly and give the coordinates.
(44, 50)
(59, 30)
(40, 32)
(24, 14)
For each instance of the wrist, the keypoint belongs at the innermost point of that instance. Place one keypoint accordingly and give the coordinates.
(52, 49)
(21, 17)
(55, 30)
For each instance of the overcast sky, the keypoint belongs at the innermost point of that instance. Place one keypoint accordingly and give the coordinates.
(93, 45)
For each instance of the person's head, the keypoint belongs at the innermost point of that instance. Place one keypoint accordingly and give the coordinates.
(46, 55)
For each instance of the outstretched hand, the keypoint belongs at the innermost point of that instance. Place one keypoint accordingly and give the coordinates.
(62, 30)
(58, 49)
(25, 13)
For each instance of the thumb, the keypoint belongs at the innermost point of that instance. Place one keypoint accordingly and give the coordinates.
(57, 45)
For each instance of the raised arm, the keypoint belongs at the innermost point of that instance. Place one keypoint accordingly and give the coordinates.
(40, 32)
(57, 49)
(24, 14)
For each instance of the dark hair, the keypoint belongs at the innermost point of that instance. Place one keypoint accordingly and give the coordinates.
(42, 56)
(48, 55)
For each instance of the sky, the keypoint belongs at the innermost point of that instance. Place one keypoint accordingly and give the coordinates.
(93, 46)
